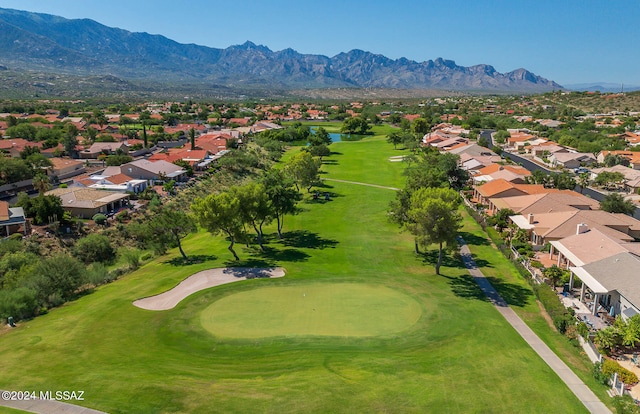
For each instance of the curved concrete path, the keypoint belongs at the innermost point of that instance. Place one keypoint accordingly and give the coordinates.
(47, 407)
(575, 384)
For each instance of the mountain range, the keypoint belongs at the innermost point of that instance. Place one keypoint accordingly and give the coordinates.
(83, 47)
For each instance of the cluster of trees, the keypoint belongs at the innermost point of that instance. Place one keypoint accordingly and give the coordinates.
(254, 205)
(560, 180)
(625, 333)
(31, 283)
(428, 205)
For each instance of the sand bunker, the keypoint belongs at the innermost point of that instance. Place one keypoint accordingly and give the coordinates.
(204, 280)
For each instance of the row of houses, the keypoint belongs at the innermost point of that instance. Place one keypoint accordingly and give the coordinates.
(600, 249)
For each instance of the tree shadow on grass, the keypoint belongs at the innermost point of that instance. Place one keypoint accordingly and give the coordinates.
(330, 162)
(250, 262)
(474, 240)
(513, 294)
(286, 255)
(306, 239)
(194, 259)
(430, 257)
(465, 286)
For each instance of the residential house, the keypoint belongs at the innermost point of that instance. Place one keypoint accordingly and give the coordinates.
(153, 170)
(613, 282)
(118, 182)
(571, 159)
(64, 168)
(632, 156)
(14, 146)
(12, 220)
(103, 148)
(553, 200)
(501, 188)
(556, 225)
(87, 202)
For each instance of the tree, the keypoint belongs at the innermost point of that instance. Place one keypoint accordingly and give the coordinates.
(167, 227)
(554, 274)
(145, 139)
(394, 138)
(255, 207)
(501, 136)
(405, 125)
(219, 213)
(421, 126)
(41, 183)
(94, 248)
(616, 203)
(434, 169)
(501, 218)
(282, 195)
(320, 151)
(43, 208)
(70, 139)
(304, 169)
(562, 181)
(607, 339)
(355, 125)
(192, 138)
(629, 330)
(606, 179)
(583, 181)
(434, 218)
(615, 159)
(118, 159)
(56, 279)
(321, 137)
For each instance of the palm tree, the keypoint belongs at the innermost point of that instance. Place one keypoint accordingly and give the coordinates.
(583, 181)
(606, 339)
(41, 183)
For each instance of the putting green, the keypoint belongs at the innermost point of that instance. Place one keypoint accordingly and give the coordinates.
(319, 309)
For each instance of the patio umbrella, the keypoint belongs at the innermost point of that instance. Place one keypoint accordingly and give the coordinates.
(612, 311)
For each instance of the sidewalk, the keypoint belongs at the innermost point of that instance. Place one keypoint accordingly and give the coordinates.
(575, 384)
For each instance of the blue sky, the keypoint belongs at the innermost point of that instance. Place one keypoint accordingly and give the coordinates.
(568, 41)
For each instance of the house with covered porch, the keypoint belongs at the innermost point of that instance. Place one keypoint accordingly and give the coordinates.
(612, 284)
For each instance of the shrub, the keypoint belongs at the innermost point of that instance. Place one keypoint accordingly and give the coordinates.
(625, 405)
(560, 316)
(597, 373)
(98, 274)
(94, 248)
(131, 256)
(609, 367)
(122, 216)
(21, 303)
(100, 219)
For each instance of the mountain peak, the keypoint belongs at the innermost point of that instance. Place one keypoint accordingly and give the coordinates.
(34, 41)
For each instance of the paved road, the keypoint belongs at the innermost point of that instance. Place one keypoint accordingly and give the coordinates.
(47, 407)
(575, 384)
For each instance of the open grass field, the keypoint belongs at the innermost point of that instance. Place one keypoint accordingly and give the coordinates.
(438, 345)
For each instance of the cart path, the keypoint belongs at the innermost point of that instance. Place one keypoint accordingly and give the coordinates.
(575, 384)
(46, 406)
(359, 183)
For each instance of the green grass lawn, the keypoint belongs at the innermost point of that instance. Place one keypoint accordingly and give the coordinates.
(320, 309)
(457, 354)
